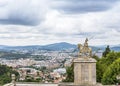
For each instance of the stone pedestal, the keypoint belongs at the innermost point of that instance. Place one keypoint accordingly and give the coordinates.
(84, 67)
(85, 71)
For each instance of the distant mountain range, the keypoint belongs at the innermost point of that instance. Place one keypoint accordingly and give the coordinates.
(55, 47)
(116, 48)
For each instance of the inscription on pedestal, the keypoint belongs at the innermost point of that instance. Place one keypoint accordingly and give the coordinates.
(84, 72)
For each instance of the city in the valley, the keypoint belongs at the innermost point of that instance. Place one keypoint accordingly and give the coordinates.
(44, 65)
(48, 66)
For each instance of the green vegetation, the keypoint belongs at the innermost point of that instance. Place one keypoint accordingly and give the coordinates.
(107, 50)
(17, 55)
(70, 74)
(109, 76)
(13, 55)
(5, 74)
(104, 63)
(31, 79)
(107, 68)
(104, 69)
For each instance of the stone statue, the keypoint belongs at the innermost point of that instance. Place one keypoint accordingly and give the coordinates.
(84, 67)
(13, 79)
(85, 50)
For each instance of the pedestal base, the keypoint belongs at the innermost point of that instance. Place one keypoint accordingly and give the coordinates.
(72, 84)
(84, 72)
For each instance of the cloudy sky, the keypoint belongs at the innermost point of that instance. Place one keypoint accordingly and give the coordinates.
(40, 22)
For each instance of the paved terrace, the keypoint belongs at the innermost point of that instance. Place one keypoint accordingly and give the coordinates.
(36, 85)
(31, 84)
(43, 84)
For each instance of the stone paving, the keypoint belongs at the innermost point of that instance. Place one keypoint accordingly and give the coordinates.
(37, 85)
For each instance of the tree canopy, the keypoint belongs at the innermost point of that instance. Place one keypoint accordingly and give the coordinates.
(70, 74)
(104, 63)
(5, 74)
(107, 50)
(110, 75)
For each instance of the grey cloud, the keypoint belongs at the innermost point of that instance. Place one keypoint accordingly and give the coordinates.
(20, 20)
(18, 36)
(83, 6)
(116, 26)
(22, 13)
(15, 37)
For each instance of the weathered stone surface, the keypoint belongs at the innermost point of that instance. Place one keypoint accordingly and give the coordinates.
(84, 67)
(72, 84)
(30, 84)
(84, 71)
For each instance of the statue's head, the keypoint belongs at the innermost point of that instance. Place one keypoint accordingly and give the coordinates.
(86, 40)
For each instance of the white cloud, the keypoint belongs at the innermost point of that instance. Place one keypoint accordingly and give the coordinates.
(23, 12)
(38, 23)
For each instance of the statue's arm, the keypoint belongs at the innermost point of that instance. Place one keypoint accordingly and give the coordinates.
(79, 46)
(90, 51)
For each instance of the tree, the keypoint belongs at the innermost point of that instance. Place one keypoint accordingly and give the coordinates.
(111, 57)
(109, 77)
(104, 63)
(107, 50)
(5, 74)
(70, 74)
(96, 57)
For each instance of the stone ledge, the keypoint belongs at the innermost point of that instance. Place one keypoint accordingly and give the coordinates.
(85, 60)
(9, 84)
(72, 84)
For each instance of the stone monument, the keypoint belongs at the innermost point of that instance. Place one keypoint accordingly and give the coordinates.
(84, 66)
(13, 79)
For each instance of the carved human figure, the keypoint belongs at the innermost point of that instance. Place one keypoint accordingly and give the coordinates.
(84, 50)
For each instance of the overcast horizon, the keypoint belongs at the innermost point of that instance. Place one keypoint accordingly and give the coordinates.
(41, 22)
